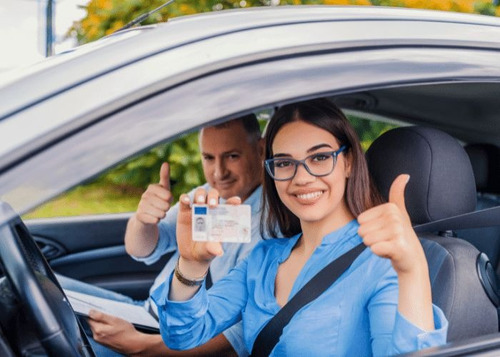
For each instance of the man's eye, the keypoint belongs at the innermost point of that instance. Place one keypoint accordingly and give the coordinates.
(208, 158)
(233, 156)
(283, 163)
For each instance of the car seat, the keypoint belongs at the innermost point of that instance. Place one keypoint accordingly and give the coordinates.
(485, 160)
(441, 185)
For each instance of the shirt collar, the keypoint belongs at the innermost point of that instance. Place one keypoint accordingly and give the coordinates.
(343, 234)
(254, 199)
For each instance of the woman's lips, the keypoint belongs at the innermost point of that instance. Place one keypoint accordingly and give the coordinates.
(308, 197)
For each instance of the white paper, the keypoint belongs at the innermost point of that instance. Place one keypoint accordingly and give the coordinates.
(137, 315)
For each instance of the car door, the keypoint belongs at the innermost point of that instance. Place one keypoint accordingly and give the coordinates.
(91, 249)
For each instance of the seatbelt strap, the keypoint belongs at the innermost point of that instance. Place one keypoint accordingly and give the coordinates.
(270, 334)
(488, 217)
(208, 280)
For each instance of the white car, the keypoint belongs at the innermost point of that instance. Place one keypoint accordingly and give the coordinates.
(73, 116)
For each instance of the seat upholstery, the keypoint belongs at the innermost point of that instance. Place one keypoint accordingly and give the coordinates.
(485, 160)
(441, 185)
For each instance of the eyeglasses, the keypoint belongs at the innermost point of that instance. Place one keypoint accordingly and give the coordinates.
(319, 164)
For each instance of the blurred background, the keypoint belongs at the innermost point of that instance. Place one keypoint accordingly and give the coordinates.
(31, 30)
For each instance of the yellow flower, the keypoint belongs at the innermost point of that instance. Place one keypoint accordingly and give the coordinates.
(186, 9)
(104, 4)
(464, 5)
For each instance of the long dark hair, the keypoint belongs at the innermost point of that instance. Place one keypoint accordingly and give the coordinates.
(360, 194)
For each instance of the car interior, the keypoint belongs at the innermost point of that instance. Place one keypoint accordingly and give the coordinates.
(90, 248)
(485, 160)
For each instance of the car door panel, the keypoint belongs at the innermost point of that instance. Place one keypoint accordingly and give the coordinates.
(91, 249)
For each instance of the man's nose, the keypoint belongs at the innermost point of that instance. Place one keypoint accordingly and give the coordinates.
(220, 169)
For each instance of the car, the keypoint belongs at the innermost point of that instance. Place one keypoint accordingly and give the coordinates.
(71, 117)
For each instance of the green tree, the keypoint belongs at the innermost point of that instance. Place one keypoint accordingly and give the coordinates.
(185, 167)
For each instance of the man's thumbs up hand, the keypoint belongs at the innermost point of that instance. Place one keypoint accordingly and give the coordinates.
(387, 230)
(165, 176)
(156, 200)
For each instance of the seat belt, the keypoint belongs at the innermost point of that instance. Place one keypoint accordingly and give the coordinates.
(270, 334)
(488, 217)
(208, 280)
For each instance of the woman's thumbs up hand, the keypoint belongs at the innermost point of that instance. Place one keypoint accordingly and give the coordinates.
(388, 231)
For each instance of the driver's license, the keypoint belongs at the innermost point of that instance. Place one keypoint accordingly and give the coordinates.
(223, 223)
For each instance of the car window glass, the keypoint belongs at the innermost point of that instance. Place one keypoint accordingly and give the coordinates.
(119, 189)
(368, 129)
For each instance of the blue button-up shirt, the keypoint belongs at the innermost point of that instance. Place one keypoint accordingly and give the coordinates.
(356, 316)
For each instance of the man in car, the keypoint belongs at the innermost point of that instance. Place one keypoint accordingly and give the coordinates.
(232, 163)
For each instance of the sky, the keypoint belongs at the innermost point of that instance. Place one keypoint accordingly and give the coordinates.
(22, 29)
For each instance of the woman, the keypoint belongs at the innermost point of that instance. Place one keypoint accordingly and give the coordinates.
(318, 194)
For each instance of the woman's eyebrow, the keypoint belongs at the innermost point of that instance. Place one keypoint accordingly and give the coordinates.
(319, 146)
(281, 155)
(314, 148)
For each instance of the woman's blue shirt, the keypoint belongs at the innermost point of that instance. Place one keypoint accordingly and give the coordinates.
(356, 316)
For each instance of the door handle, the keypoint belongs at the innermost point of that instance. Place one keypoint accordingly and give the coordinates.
(49, 248)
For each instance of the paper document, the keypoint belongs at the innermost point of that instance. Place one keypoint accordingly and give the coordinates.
(137, 315)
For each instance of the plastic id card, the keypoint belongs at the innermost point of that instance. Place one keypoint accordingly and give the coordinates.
(223, 223)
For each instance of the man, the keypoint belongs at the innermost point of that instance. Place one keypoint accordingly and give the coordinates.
(232, 163)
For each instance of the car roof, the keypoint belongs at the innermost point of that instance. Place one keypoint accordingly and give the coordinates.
(122, 48)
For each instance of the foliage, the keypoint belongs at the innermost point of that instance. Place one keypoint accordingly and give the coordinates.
(106, 16)
(185, 166)
(90, 199)
(368, 130)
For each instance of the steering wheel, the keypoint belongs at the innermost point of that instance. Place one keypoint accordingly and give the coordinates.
(36, 287)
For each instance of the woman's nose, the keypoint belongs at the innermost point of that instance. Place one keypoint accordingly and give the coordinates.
(302, 176)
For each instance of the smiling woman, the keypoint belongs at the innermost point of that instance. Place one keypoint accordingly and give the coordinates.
(70, 119)
(389, 312)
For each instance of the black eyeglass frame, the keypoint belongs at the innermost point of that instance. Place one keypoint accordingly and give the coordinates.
(335, 154)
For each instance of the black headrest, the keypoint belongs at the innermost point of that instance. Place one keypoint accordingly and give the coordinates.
(441, 179)
(485, 160)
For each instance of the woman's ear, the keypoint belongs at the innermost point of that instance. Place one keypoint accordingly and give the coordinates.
(348, 164)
